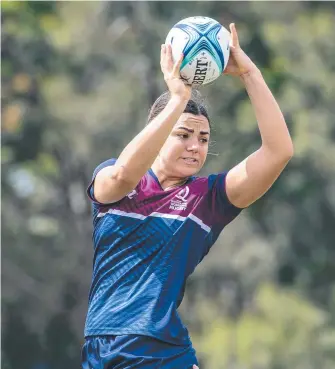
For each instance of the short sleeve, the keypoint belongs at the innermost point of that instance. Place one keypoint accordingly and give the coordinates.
(219, 201)
(90, 189)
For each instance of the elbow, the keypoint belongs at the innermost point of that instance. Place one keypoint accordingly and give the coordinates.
(283, 154)
(112, 188)
(289, 153)
(286, 155)
(123, 178)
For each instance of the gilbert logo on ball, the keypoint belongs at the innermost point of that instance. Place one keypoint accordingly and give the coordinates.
(205, 45)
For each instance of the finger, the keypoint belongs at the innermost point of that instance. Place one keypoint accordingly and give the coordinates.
(163, 55)
(230, 68)
(169, 58)
(234, 36)
(162, 51)
(176, 67)
(195, 367)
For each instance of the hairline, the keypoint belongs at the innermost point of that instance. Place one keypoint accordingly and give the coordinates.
(195, 106)
(191, 130)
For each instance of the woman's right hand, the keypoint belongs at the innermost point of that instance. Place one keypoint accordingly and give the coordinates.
(171, 72)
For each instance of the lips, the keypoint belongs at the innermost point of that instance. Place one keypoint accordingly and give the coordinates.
(190, 160)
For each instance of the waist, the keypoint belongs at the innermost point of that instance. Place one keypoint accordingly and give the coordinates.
(153, 316)
(131, 350)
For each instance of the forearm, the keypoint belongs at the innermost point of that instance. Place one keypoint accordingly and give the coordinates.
(141, 152)
(273, 130)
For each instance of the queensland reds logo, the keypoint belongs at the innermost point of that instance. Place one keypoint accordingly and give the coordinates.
(179, 202)
(181, 195)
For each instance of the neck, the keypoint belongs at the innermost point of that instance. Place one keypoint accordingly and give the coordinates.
(177, 184)
(167, 182)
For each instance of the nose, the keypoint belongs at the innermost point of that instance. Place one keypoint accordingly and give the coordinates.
(193, 146)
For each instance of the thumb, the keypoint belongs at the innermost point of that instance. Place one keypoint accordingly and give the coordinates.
(195, 367)
(234, 37)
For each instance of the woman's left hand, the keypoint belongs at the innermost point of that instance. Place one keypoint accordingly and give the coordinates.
(239, 63)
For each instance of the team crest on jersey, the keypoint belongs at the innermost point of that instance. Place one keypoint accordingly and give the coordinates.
(179, 202)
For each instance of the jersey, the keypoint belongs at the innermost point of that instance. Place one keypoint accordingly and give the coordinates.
(145, 247)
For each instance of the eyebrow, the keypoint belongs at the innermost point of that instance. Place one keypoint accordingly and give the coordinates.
(192, 130)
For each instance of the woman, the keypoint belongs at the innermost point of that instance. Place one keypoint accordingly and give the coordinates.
(154, 221)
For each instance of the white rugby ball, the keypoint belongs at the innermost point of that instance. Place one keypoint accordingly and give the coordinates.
(205, 44)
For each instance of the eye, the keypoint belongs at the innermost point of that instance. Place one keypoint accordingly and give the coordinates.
(183, 135)
(204, 140)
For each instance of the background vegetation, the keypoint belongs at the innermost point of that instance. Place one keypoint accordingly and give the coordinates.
(78, 79)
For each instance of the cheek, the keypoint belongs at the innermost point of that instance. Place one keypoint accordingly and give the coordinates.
(204, 152)
(171, 148)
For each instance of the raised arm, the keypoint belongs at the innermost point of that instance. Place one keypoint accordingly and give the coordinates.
(250, 179)
(114, 182)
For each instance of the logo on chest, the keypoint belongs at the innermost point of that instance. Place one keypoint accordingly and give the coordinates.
(179, 202)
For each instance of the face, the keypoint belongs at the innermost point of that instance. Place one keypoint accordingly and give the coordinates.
(185, 151)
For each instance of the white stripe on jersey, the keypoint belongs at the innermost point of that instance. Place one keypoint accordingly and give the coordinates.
(158, 215)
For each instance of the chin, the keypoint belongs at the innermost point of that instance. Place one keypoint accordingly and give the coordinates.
(188, 171)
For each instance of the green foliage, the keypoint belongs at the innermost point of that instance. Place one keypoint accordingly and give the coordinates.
(279, 329)
(77, 81)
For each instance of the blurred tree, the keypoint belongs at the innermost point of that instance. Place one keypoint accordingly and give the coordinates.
(279, 330)
(77, 82)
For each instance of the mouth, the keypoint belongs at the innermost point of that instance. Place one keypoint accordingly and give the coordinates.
(190, 161)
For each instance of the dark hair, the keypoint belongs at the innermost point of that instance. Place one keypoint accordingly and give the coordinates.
(196, 105)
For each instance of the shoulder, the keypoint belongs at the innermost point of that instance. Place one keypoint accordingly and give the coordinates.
(104, 164)
(217, 195)
(211, 181)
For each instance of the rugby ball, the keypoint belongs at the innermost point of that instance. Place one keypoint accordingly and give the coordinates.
(205, 44)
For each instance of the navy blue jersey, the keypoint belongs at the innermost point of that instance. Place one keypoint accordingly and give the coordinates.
(135, 352)
(145, 247)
